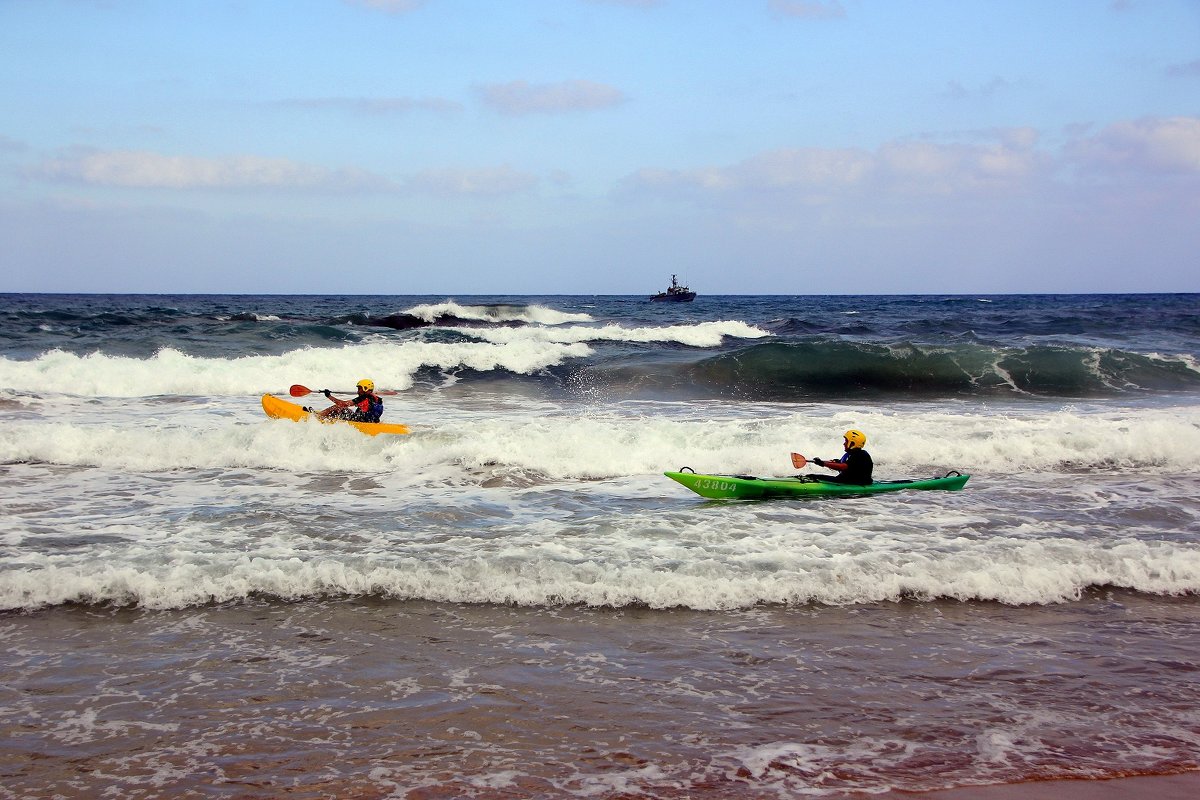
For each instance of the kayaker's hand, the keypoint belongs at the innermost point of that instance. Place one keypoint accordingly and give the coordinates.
(325, 392)
(819, 462)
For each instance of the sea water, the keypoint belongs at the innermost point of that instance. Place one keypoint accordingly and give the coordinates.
(513, 601)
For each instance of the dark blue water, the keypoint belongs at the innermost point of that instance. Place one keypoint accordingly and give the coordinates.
(936, 346)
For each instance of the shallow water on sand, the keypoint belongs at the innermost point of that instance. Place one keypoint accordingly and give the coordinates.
(373, 698)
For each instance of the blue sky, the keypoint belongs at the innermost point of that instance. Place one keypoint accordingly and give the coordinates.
(598, 146)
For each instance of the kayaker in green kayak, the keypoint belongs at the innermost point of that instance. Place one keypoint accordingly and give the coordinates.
(855, 466)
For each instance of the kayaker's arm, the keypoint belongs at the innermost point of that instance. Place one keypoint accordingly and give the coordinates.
(836, 466)
(334, 400)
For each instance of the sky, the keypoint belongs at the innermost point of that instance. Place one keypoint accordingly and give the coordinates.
(463, 147)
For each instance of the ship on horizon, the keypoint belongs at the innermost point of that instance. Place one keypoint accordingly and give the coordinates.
(675, 293)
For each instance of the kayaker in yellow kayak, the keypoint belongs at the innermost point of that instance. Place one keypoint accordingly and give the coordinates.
(365, 407)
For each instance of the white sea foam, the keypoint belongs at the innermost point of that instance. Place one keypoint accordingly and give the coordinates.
(429, 527)
(496, 313)
(703, 334)
(607, 441)
(171, 502)
(251, 315)
(1188, 360)
(172, 372)
(784, 562)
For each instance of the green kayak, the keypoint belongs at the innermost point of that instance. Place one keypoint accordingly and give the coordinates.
(748, 487)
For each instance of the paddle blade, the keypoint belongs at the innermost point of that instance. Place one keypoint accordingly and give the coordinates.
(300, 391)
(798, 461)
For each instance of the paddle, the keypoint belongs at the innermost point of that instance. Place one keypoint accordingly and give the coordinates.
(798, 461)
(300, 391)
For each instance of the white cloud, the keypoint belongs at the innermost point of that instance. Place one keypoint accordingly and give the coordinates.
(519, 97)
(377, 105)
(955, 91)
(921, 166)
(388, 6)
(784, 169)
(809, 9)
(11, 145)
(1189, 70)
(1152, 144)
(935, 191)
(487, 182)
(807, 167)
(910, 167)
(992, 88)
(630, 3)
(148, 170)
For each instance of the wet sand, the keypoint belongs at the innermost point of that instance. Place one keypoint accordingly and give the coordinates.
(1185, 786)
(374, 698)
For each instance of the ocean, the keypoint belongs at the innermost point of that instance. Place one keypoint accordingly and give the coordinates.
(514, 602)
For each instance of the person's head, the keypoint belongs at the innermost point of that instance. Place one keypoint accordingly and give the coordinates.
(853, 439)
(366, 385)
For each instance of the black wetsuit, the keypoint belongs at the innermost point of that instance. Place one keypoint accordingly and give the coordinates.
(859, 467)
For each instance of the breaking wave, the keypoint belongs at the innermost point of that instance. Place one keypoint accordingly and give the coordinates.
(834, 368)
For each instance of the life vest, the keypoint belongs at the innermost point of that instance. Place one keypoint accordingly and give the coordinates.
(368, 409)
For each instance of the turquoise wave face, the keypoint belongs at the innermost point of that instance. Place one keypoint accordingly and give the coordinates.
(795, 370)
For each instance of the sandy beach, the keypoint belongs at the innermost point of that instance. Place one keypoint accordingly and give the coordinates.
(1157, 787)
(424, 700)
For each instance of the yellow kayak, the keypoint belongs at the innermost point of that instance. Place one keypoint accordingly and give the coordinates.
(282, 409)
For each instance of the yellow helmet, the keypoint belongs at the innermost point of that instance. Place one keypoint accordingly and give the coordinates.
(366, 383)
(855, 438)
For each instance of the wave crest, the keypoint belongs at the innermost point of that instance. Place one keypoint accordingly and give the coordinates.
(821, 368)
(496, 313)
(1003, 570)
